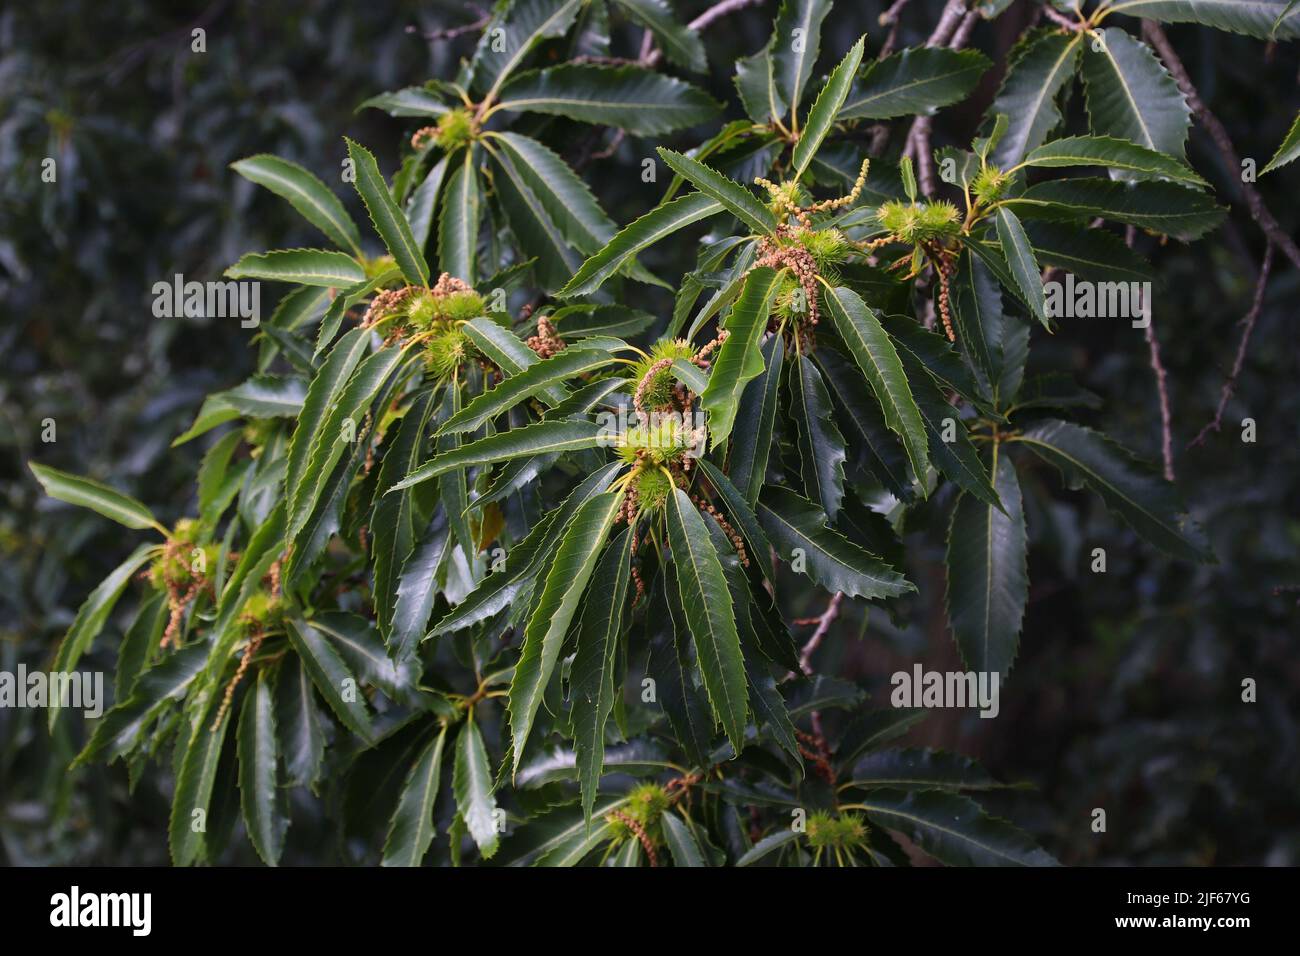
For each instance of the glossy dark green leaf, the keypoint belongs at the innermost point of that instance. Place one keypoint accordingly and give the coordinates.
(682, 844)
(918, 769)
(592, 677)
(1264, 19)
(458, 225)
(631, 97)
(392, 521)
(193, 795)
(795, 44)
(417, 588)
(735, 198)
(1042, 63)
(681, 44)
(756, 416)
(1146, 502)
(1161, 207)
(874, 353)
(265, 812)
(411, 829)
(799, 531)
(821, 446)
(536, 439)
(472, 783)
(740, 359)
(298, 722)
(333, 679)
(1021, 262)
(1131, 95)
(658, 223)
(707, 604)
(306, 193)
(566, 581)
(953, 829)
(988, 577)
(524, 560)
(515, 30)
(568, 363)
(915, 81)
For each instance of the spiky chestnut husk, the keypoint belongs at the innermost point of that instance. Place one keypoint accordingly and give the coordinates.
(658, 392)
(174, 567)
(261, 610)
(845, 832)
(828, 247)
(663, 440)
(425, 309)
(455, 129)
(652, 490)
(988, 184)
(645, 805)
(785, 197)
(920, 222)
(377, 266)
(791, 301)
(448, 349)
(462, 306)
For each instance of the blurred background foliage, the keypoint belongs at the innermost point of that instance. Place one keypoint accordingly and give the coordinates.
(1127, 692)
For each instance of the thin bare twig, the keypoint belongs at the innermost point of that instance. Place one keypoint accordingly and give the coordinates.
(823, 626)
(450, 33)
(1162, 386)
(1162, 378)
(1251, 317)
(651, 57)
(948, 32)
(962, 36)
(1060, 19)
(948, 23)
(1155, 34)
(890, 18)
(718, 11)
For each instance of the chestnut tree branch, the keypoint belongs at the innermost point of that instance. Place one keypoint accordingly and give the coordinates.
(1155, 35)
(1251, 317)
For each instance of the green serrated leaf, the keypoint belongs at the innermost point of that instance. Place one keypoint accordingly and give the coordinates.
(875, 355)
(1041, 65)
(658, 223)
(707, 605)
(1021, 262)
(265, 812)
(566, 581)
(98, 497)
(472, 783)
(386, 216)
(1131, 95)
(737, 200)
(306, 193)
(411, 828)
(332, 678)
(915, 81)
(633, 98)
(592, 677)
(1113, 153)
(988, 578)
(458, 225)
(1147, 503)
(799, 531)
(825, 108)
(304, 266)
